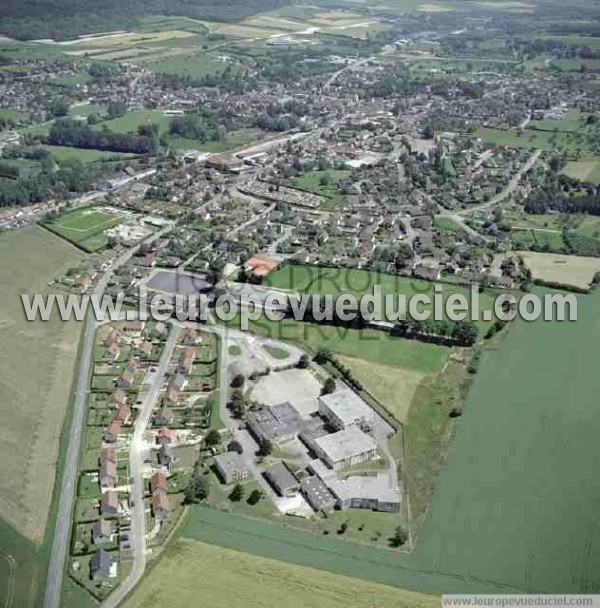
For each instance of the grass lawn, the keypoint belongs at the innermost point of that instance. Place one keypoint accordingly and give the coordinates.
(258, 582)
(276, 352)
(195, 66)
(445, 223)
(235, 139)
(129, 122)
(336, 281)
(564, 269)
(311, 181)
(61, 153)
(84, 227)
(393, 387)
(368, 344)
(584, 170)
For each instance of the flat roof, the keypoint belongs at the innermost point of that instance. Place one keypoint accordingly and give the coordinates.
(345, 444)
(366, 487)
(281, 476)
(347, 405)
(317, 493)
(230, 462)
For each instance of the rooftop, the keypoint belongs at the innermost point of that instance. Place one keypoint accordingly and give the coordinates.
(347, 406)
(363, 487)
(345, 444)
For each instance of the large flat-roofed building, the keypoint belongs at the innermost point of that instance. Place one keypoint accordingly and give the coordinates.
(346, 448)
(345, 408)
(231, 467)
(278, 423)
(358, 492)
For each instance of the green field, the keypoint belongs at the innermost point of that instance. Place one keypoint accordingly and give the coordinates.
(584, 170)
(129, 122)
(62, 153)
(336, 281)
(368, 344)
(84, 227)
(516, 506)
(258, 582)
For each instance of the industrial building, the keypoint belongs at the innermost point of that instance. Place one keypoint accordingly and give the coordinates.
(345, 408)
(317, 494)
(346, 448)
(362, 492)
(277, 424)
(281, 478)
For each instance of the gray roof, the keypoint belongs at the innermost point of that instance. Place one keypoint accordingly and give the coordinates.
(347, 406)
(103, 527)
(281, 477)
(277, 421)
(230, 464)
(317, 493)
(366, 488)
(100, 563)
(345, 444)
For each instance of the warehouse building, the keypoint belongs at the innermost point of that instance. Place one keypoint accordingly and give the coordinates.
(345, 408)
(346, 448)
(277, 424)
(230, 467)
(358, 492)
(317, 494)
(281, 478)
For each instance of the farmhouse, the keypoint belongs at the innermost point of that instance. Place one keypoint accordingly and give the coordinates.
(281, 478)
(345, 408)
(346, 448)
(230, 467)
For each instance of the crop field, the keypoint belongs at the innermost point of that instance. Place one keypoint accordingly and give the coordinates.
(565, 269)
(83, 227)
(522, 448)
(335, 281)
(259, 582)
(552, 239)
(44, 355)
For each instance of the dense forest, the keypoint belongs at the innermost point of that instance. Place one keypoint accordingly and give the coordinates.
(33, 19)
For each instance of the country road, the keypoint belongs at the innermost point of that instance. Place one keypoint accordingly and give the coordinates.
(136, 465)
(62, 531)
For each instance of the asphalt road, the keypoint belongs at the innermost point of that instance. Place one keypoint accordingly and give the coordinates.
(136, 465)
(62, 530)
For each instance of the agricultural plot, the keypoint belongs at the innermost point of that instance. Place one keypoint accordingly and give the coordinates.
(564, 269)
(259, 582)
(584, 170)
(84, 227)
(44, 354)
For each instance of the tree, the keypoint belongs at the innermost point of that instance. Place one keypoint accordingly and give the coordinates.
(238, 381)
(328, 386)
(197, 490)
(213, 437)
(237, 493)
(465, 333)
(400, 537)
(235, 446)
(237, 404)
(303, 361)
(254, 497)
(265, 448)
(323, 356)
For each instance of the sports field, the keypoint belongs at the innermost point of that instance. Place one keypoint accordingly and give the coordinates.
(84, 227)
(239, 580)
(516, 509)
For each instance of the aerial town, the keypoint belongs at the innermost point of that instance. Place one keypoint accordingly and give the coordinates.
(284, 149)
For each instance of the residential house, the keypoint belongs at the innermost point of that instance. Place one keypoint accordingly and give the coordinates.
(189, 336)
(165, 436)
(112, 351)
(112, 432)
(158, 484)
(144, 349)
(160, 506)
(102, 565)
(107, 475)
(186, 361)
(117, 398)
(109, 503)
(102, 531)
(165, 455)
